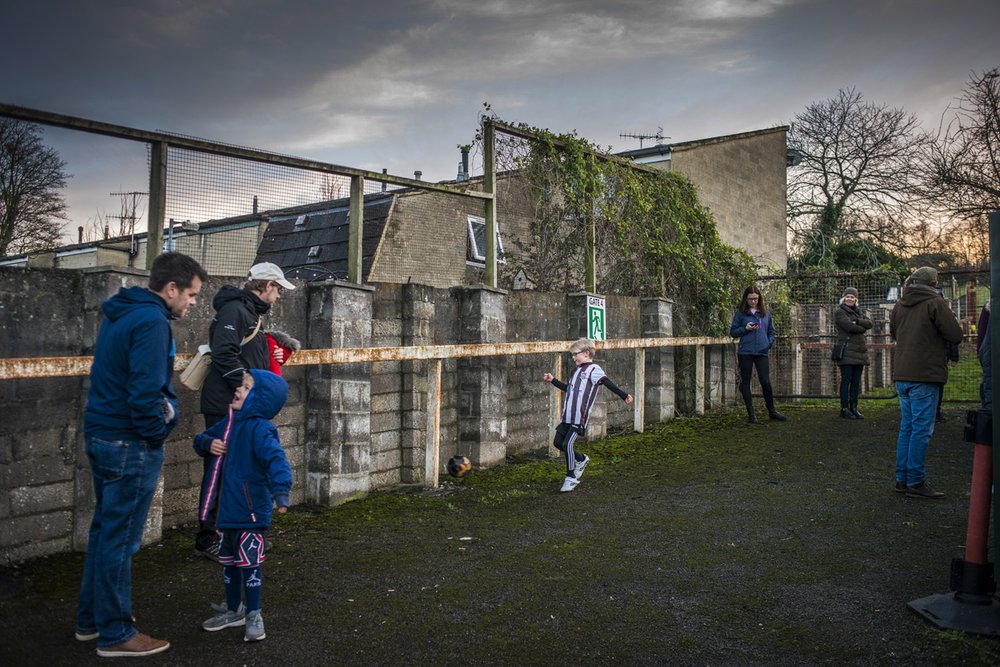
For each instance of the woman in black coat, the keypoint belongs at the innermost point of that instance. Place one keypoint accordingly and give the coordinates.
(852, 325)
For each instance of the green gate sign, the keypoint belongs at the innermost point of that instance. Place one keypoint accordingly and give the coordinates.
(596, 322)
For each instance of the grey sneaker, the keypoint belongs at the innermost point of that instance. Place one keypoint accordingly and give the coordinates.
(84, 636)
(227, 619)
(569, 484)
(580, 465)
(222, 606)
(255, 627)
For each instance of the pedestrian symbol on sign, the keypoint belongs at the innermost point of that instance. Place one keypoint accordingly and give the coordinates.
(596, 327)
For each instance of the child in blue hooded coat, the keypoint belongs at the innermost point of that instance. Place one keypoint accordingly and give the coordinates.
(249, 473)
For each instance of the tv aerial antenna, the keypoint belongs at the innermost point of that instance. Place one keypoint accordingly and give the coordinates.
(645, 137)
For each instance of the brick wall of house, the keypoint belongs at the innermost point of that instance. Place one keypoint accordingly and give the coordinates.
(425, 240)
(742, 181)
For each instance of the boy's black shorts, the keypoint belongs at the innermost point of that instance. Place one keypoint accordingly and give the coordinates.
(565, 429)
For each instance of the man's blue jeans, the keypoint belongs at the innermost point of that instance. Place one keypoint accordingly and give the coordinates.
(125, 473)
(917, 405)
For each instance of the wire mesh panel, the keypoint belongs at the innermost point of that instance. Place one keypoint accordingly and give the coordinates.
(219, 206)
(804, 305)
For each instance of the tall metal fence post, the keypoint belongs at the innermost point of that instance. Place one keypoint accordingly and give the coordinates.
(699, 379)
(994, 343)
(639, 391)
(590, 255)
(490, 187)
(355, 233)
(555, 404)
(157, 200)
(433, 404)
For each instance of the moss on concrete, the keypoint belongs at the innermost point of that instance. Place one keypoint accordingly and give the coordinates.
(702, 541)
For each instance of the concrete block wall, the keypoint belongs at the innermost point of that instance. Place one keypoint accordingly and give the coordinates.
(386, 388)
(347, 429)
(531, 316)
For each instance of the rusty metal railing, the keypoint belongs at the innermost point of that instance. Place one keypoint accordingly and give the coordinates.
(43, 367)
(15, 368)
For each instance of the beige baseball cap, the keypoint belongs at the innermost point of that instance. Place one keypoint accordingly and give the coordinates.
(269, 271)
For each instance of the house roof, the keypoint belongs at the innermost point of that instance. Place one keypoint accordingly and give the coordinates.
(310, 242)
(666, 149)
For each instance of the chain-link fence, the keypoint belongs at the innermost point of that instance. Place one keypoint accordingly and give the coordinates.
(803, 306)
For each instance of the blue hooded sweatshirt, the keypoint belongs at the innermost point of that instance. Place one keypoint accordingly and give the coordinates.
(254, 473)
(133, 366)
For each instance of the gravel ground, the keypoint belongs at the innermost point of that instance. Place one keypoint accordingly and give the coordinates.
(704, 542)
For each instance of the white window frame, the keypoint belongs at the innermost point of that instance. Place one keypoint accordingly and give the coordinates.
(479, 254)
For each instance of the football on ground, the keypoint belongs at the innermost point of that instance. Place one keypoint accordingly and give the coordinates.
(458, 466)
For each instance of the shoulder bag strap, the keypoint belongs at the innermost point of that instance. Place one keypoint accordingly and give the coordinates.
(253, 333)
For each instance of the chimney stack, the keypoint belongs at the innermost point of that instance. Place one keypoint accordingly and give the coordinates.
(79, 232)
(463, 167)
(417, 174)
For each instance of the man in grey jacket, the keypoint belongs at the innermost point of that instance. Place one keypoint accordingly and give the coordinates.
(922, 325)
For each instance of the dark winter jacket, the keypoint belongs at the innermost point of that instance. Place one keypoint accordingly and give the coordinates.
(851, 326)
(133, 364)
(922, 325)
(237, 312)
(758, 341)
(254, 474)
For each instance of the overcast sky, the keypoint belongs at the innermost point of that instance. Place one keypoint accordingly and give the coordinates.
(398, 85)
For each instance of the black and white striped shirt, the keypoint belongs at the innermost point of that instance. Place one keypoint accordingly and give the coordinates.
(581, 392)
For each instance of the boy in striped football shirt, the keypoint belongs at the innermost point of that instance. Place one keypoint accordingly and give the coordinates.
(581, 390)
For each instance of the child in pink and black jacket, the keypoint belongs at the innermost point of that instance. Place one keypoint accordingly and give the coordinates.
(249, 474)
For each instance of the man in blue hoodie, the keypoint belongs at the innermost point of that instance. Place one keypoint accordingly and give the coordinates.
(131, 408)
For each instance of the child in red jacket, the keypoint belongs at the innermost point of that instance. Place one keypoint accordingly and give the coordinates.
(280, 348)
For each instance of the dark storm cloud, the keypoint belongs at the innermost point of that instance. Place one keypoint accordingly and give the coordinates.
(397, 84)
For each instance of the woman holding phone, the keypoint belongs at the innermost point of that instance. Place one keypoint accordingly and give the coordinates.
(753, 326)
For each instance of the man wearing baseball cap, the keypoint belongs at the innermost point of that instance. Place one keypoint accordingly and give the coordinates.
(922, 325)
(236, 337)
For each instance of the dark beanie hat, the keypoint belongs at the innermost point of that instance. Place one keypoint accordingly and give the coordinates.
(853, 291)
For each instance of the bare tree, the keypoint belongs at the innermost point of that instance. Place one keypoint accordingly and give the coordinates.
(97, 227)
(332, 187)
(964, 162)
(31, 176)
(858, 174)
